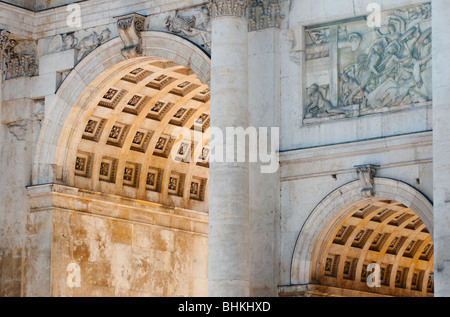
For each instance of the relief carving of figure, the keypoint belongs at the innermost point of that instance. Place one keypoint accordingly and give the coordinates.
(198, 24)
(350, 91)
(91, 42)
(396, 68)
(370, 69)
(63, 42)
(318, 106)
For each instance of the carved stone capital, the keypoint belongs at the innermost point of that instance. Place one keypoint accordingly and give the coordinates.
(129, 28)
(18, 57)
(4, 39)
(264, 15)
(366, 175)
(237, 8)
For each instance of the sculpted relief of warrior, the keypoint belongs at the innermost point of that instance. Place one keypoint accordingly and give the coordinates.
(196, 25)
(390, 65)
(396, 68)
(85, 46)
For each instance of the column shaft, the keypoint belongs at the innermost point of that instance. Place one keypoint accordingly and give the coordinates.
(228, 265)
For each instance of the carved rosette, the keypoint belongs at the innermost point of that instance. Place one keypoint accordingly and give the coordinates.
(129, 29)
(220, 8)
(366, 175)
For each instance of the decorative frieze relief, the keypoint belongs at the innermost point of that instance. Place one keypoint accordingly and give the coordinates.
(88, 43)
(129, 28)
(265, 14)
(19, 57)
(63, 42)
(91, 42)
(366, 70)
(194, 24)
(4, 39)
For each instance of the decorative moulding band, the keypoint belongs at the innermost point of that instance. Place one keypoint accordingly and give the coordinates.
(53, 196)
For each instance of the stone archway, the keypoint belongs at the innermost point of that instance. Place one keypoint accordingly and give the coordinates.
(126, 230)
(330, 215)
(97, 66)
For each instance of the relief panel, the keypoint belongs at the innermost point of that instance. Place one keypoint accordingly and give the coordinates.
(354, 70)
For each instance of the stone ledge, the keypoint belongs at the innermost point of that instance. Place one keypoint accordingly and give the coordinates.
(60, 197)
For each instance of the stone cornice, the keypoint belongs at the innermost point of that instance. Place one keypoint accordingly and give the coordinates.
(237, 8)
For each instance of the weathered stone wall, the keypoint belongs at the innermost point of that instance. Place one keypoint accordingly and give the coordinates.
(20, 127)
(122, 247)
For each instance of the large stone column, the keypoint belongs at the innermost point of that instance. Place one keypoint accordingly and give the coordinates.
(228, 266)
(441, 152)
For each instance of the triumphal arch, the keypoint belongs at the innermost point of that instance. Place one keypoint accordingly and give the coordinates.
(224, 148)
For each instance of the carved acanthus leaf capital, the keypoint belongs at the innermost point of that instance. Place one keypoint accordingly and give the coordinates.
(237, 8)
(265, 15)
(18, 58)
(129, 28)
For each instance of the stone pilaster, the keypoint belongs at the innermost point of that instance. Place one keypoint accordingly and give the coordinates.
(264, 104)
(228, 266)
(441, 141)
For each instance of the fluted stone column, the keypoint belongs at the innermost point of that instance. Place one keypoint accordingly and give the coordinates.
(228, 266)
(441, 136)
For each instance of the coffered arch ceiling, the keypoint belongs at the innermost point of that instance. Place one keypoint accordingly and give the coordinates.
(122, 140)
(382, 232)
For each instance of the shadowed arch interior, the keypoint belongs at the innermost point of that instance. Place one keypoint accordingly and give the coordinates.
(378, 232)
(123, 140)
